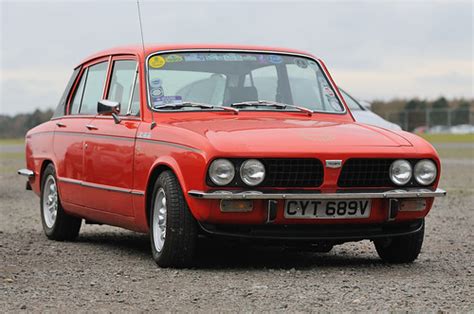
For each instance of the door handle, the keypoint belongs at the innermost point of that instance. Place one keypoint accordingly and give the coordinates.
(91, 127)
(60, 124)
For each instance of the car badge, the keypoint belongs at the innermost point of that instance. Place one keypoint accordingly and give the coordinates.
(333, 163)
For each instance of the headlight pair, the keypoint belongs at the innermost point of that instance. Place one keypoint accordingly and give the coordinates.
(401, 172)
(222, 172)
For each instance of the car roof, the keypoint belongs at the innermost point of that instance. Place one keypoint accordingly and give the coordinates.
(138, 49)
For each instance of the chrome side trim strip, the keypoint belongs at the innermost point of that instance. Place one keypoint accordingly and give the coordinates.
(26, 172)
(192, 149)
(105, 187)
(71, 181)
(101, 186)
(257, 195)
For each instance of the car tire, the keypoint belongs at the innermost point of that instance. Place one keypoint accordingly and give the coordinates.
(173, 229)
(401, 249)
(57, 225)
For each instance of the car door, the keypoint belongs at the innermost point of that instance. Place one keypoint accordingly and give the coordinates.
(68, 143)
(110, 146)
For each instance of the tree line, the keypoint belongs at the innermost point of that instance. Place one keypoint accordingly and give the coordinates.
(412, 111)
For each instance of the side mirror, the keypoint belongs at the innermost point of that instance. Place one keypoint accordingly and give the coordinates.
(109, 107)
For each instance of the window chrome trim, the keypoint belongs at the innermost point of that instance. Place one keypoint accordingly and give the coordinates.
(134, 84)
(148, 98)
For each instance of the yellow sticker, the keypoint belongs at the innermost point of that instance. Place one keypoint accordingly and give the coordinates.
(157, 62)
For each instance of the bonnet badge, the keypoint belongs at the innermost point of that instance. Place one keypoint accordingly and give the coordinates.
(333, 163)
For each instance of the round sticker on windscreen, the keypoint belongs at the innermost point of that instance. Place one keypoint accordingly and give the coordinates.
(301, 63)
(157, 62)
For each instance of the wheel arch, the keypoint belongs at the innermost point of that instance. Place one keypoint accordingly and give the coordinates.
(158, 168)
(44, 164)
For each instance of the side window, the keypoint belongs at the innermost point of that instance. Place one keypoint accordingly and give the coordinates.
(60, 109)
(135, 105)
(122, 84)
(94, 85)
(76, 99)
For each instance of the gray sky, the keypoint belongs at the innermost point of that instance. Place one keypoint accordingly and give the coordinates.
(374, 49)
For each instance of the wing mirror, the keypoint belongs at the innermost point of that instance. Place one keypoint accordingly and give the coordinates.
(109, 107)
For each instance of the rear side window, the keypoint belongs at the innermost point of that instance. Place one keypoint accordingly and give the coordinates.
(94, 86)
(122, 85)
(61, 108)
(76, 99)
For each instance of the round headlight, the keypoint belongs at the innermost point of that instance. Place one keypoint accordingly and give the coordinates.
(425, 172)
(252, 172)
(221, 172)
(400, 172)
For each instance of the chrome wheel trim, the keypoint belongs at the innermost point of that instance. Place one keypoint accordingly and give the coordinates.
(159, 220)
(50, 201)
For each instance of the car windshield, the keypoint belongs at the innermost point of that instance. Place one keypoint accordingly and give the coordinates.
(227, 79)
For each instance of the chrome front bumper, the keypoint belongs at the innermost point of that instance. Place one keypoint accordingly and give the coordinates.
(257, 195)
(26, 172)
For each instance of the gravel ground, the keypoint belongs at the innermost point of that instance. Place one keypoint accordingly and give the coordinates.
(109, 269)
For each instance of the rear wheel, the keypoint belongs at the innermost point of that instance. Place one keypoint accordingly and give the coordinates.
(173, 229)
(57, 225)
(402, 249)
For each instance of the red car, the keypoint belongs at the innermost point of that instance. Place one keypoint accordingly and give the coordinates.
(239, 142)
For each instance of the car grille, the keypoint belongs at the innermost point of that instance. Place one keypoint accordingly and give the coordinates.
(295, 172)
(365, 173)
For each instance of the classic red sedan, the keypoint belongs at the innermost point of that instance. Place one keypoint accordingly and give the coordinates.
(226, 141)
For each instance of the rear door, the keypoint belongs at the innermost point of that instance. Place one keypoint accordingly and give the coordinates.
(110, 146)
(69, 140)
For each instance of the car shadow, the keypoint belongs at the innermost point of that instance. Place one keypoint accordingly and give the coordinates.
(220, 254)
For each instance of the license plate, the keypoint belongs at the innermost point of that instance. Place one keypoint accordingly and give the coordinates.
(327, 209)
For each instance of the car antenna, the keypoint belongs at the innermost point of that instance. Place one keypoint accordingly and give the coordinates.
(153, 123)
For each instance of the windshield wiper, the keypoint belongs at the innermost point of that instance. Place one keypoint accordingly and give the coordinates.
(269, 103)
(192, 104)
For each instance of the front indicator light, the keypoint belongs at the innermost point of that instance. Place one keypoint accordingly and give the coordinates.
(236, 206)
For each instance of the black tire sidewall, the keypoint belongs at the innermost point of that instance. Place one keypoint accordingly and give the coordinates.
(181, 230)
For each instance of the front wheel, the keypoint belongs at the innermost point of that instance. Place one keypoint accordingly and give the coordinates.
(57, 225)
(401, 249)
(173, 229)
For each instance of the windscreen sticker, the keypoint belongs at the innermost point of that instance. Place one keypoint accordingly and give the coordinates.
(163, 100)
(157, 92)
(214, 57)
(328, 91)
(249, 58)
(301, 63)
(156, 82)
(262, 59)
(194, 57)
(174, 58)
(275, 59)
(157, 62)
